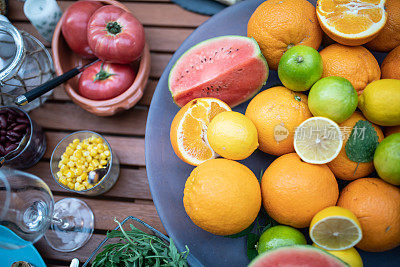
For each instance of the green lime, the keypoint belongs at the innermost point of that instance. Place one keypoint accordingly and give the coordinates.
(387, 159)
(300, 67)
(334, 98)
(279, 236)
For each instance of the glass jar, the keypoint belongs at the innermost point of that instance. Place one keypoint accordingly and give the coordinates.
(106, 182)
(24, 64)
(34, 148)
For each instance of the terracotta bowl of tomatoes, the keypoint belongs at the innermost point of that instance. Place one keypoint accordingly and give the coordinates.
(65, 59)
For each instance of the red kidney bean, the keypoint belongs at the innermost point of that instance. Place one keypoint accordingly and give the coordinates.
(20, 127)
(2, 139)
(11, 126)
(13, 134)
(23, 120)
(3, 132)
(3, 121)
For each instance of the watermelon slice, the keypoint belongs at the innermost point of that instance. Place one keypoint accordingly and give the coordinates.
(231, 68)
(297, 256)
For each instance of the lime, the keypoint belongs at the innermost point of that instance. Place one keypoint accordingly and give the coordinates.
(380, 102)
(279, 236)
(335, 228)
(232, 135)
(387, 159)
(349, 256)
(334, 98)
(300, 67)
(318, 140)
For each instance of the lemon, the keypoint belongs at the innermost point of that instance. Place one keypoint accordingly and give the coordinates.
(380, 102)
(232, 135)
(349, 256)
(335, 228)
(318, 140)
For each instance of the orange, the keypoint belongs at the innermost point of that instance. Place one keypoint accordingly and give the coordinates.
(189, 129)
(391, 64)
(222, 196)
(389, 37)
(276, 112)
(377, 206)
(356, 64)
(391, 130)
(278, 25)
(351, 22)
(294, 191)
(342, 166)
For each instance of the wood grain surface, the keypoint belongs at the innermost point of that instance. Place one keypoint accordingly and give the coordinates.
(166, 27)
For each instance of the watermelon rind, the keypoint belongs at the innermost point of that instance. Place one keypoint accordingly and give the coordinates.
(257, 52)
(299, 247)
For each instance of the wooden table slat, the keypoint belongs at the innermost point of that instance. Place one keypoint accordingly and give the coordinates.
(131, 184)
(159, 39)
(154, 14)
(130, 151)
(70, 116)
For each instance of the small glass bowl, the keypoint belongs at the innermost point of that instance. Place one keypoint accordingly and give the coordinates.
(34, 148)
(105, 183)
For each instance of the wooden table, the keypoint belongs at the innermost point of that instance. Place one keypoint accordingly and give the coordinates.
(167, 26)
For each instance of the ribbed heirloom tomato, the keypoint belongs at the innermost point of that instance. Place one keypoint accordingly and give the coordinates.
(115, 35)
(103, 81)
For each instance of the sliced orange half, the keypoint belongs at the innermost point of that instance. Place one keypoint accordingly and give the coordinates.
(189, 129)
(351, 22)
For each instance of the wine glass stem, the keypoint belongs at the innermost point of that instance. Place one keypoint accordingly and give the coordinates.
(65, 224)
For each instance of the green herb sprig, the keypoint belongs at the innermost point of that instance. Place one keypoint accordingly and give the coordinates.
(137, 248)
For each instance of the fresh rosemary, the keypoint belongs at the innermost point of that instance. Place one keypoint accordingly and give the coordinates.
(136, 248)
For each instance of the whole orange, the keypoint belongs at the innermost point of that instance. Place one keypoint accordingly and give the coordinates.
(276, 112)
(293, 191)
(342, 166)
(377, 206)
(389, 37)
(222, 196)
(278, 25)
(355, 63)
(391, 64)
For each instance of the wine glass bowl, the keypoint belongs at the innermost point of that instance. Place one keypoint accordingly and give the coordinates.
(105, 183)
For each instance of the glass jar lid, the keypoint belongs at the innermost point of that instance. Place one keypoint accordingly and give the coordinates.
(12, 49)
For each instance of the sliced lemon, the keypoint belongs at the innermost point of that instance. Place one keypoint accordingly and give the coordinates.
(318, 140)
(335, 228)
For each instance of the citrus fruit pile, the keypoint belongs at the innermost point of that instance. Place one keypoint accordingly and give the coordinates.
(326, 122)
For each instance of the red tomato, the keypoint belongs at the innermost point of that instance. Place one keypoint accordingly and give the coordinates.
(115, 35)
(74, 26)
(103, 81)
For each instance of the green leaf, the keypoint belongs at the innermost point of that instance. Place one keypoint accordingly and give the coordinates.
(252, 240)
(363, 140)
(242, 233)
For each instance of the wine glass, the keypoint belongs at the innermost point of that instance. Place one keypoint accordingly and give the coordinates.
(28, 211)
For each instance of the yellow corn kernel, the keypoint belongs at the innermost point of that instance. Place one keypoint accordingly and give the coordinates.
(99, 140)
(97, 157)
(69, 151)
(102, 156)
(69, 174)
(79, 147)
(103, 162)
(76, 141)
(107, 152)
(89, 158)
(79, 171)
(72, 145)
(64, 160)
(95, 162)
(71, 164)
(85, 183)
(84, 176)
(59, 174)
(89, 186)
(81, 187)
(60, 164)
(63, 181)
(90, 168)
(79, 179)
(93, 152)
(78, 154)
(70, 185)
(86, 153)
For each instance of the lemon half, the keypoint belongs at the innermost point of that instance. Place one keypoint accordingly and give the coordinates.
(318, 140)
(335, 228)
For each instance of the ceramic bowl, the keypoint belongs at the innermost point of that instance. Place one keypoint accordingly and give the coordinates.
(64, 60)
